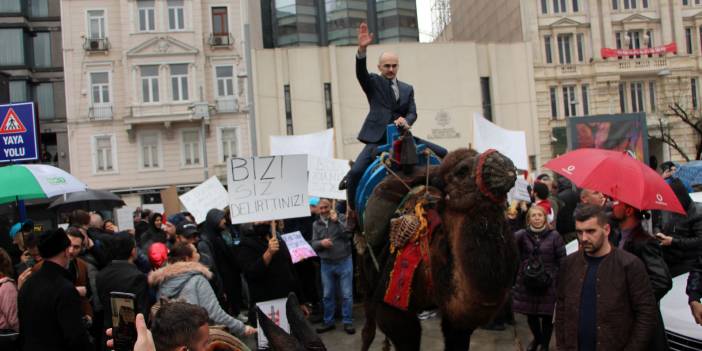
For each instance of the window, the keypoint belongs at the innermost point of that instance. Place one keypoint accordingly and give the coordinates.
(100, 88)
(225, 80)
(229, 143)
(146, 15)
(685, 2)
(688, 39)
(544, 7)
(18, 91)
(191, 147)
(615, 4)
(634, 38)
(42, 49)
(44, 98)
(576, 6)
(104, 154)
(179, 82)
(547, 48)
(328, 105)
(12, 41)
(176, 15)
(637, 104)
(554, 102)
(652, 95)
(96, 24)
(649, 40)
(581, 47)
(39, 8)
(559, 6)
(644, 3)
(569, 100)
(149, 83)
(586, 99)
(694, 93)
(622, 97)
(629, 4)
(150, 154)
(220, 21)
(288, 110)
(487, 101)
(10, 6)
(618, 39)
(564, 48)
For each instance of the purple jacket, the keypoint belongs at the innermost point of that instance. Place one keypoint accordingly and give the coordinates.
(552, 251)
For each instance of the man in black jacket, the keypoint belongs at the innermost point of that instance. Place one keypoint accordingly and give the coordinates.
(681, 235)
(121, 275)
(49, 306)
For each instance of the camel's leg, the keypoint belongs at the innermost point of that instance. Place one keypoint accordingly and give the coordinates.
(368, 332)
(402, 328)
(455, 339)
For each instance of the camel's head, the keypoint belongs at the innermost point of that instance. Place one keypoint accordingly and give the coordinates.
(471, 180)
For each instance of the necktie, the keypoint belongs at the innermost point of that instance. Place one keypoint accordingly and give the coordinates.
(395, 89)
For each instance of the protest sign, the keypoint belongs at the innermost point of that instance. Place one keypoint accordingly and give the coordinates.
(519, 192)
(299, 248)
(325, 176)
(317, 144)
(208, 195)
(510, 143)
(124, 217)
(267, 188)
(275, 310)
(169, 197)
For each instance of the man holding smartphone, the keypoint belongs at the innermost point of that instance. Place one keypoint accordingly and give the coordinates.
(49, 306)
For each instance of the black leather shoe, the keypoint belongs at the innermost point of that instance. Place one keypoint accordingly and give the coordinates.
(325, 328)
(344, 183)
(349, 329)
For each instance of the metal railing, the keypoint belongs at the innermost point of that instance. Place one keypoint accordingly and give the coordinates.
(220, 39)
(96, 44)
(99, 112)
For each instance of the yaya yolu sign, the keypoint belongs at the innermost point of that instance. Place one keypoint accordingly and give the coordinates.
(18, 133)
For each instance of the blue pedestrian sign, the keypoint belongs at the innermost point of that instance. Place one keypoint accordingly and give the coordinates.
(18, 133)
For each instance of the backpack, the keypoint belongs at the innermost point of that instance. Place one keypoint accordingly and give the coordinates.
(535, 277)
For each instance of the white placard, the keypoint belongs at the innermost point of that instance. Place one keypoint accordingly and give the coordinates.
(275, 310)
(511, 143)
(125, 218)
(158, 208)
(317, 144)
(298, 247)
(519, 192)
(267, 188)
(325, 176)
(204, 197)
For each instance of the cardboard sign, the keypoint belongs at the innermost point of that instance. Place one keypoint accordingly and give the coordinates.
(325, 176)
(169, 197)
(318, 144)
(275, 310)
(298, 247)
(511, 143)
(267, 188)
(124, 217)
(204, 197)
(519, 192)
(18, 133)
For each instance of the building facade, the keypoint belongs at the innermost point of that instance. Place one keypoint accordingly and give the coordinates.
(31, 59)
(573, 78)
(285, 23)
(305, 90)
(156, 91)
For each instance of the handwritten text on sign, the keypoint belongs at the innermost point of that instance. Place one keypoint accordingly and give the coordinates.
(299, 248)
(325, 176)
(267, 188)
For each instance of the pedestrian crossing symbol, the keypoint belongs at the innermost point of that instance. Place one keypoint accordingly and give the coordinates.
(11, 124)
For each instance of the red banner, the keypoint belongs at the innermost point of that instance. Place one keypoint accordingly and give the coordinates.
(607, 52)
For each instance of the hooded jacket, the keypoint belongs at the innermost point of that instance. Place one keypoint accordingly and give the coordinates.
(217, 255)
(189, 281)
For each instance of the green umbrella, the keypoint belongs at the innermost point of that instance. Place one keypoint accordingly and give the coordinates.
(24, 182)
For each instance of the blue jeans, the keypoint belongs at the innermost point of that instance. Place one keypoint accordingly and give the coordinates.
(340, 272)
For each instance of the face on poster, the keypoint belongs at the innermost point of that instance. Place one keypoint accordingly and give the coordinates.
(625, 133)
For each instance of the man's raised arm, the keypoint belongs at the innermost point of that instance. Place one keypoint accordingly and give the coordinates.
(364, 39)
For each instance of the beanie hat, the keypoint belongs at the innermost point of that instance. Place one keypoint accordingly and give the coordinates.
(52, 242)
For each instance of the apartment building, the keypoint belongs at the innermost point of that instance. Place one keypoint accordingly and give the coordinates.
(32, 64)
(156, 92)
(577, 70)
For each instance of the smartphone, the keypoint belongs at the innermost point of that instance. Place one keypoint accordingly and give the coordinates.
(123, 320)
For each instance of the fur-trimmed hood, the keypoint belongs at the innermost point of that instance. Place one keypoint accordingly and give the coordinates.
(182, 270)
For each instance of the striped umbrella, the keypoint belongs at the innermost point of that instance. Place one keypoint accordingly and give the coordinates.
(24, 182)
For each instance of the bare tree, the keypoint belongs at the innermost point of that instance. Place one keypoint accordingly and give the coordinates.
(688, 118)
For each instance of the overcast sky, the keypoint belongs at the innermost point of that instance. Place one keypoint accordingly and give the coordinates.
(424, 19)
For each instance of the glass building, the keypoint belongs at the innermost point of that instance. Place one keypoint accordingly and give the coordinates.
(324, 22)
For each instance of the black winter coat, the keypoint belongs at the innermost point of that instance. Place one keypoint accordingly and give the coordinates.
(50, 312)
(219, 257)
(648, 250)
(686, 231)
(122, 276)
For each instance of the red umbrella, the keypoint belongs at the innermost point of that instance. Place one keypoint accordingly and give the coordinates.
(618, 175)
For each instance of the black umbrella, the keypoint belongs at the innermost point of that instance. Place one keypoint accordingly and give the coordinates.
(92, 200)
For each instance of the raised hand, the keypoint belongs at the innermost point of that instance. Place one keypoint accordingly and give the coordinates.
(364, 37)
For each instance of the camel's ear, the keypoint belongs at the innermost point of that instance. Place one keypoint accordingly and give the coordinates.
(278, 339)
(300, 328)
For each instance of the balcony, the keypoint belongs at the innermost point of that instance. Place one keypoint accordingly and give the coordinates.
(569, 69)
(220, 40)
(96, 44)
(227, 104)
(100, 112)
(642, 64)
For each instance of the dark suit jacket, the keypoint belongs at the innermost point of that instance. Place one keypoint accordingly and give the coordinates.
(383, 107)
(122, 276)
(50, 313)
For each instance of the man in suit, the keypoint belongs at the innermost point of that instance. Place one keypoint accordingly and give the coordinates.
(390, 101)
